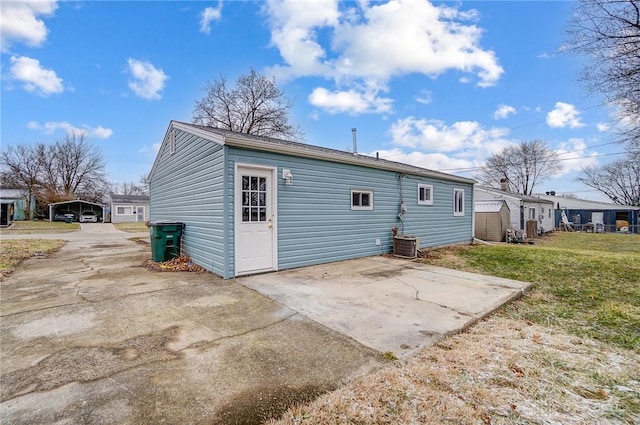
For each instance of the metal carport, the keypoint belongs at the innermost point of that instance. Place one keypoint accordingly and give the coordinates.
(75, 207)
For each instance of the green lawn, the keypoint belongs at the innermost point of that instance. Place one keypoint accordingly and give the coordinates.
(40, 226)
(588, 284)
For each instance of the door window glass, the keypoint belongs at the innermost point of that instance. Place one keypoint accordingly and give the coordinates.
(254, 199)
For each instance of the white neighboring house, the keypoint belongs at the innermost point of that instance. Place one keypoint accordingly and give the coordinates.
(522, 207)
(129, 208)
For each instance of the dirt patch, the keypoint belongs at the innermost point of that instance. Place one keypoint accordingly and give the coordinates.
(83, 364)
(107, 245)
(260, 404)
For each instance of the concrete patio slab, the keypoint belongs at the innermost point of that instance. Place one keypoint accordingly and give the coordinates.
(388, 304)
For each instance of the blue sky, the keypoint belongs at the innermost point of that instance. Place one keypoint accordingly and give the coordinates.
(440, 85)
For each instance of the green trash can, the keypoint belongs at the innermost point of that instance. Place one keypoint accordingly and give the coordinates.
(165, 239)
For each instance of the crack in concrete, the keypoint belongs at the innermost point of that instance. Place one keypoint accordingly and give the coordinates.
(434, 303)
(197, 344)
(89, 301)
(412, 287)
(40, 309)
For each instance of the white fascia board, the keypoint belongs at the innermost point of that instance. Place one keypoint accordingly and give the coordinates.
(207, 135)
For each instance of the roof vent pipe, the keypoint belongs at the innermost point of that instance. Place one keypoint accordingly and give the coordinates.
(355, 143)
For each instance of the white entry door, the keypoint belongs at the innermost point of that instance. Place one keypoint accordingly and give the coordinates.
(254, 220)
(139, 213)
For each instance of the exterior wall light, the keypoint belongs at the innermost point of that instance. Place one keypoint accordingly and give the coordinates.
(287, 176)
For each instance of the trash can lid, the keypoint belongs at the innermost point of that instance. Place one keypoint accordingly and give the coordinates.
(165, 222)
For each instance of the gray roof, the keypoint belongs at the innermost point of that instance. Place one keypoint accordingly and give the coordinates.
(8, 193)
(526, 198)
(129, 199)
(303, 149)
(74, 201)
(585, 204)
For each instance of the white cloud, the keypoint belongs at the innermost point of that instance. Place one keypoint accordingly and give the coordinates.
(20, 22)
(432, 161)
(51, 127)
(424, 97)
(564, 115)
(147, 81)
(503, 112)
(35, 78)
(573, 156)
(434, 135)
(348, 101)
(458, 148)
(294, 27)
(208, 15)
(369, 44)
(602, 127)
(153, 149)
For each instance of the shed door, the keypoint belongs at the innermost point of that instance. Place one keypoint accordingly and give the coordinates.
(597, 217)
(254, 219)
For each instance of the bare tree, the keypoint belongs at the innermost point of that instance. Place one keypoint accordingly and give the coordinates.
(144, 184)
(130, 188)
(619, 180)
(22, 168)
(70, 168)
(140, 188)
(74, 168)
(522, 166)
(256, 105)
(608, 31)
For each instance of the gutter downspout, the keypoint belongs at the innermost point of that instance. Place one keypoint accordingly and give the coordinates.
(473, 212)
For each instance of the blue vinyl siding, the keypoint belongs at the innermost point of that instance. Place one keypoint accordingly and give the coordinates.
(315, 220)
(188, 186)
(435, 225)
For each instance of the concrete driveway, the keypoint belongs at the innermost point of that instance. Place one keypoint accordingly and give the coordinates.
(90, 336)
(388, 304)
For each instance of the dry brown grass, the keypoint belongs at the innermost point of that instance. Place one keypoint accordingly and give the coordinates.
(501, 371)
(14, 251)
(133, 227)
(40, 226)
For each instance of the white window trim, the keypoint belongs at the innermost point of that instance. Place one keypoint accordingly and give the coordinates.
(124, 207)
(172, 142)
(427, 201)
(458, 213)
(359, 207)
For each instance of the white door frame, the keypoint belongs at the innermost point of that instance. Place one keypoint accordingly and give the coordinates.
(237, 189)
